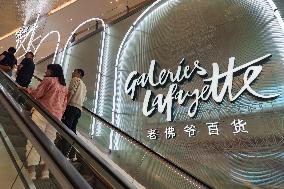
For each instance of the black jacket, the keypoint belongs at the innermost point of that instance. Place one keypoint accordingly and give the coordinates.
(25, 74)
(8, 60)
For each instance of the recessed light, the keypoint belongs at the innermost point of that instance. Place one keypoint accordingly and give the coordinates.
(111, 2)
(70, 19)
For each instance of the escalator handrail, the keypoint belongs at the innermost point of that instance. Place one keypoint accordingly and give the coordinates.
(71, 136)
(65, 167)
(143, 146)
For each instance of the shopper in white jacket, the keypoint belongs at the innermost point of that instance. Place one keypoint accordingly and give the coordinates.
(76, 96)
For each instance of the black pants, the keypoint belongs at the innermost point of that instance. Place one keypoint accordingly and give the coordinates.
(71, 116)
(23, 82)
(70, 119)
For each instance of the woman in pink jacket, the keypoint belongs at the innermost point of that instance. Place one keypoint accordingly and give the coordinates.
(52, 94)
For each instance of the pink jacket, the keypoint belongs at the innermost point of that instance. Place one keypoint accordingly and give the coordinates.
(52, 95)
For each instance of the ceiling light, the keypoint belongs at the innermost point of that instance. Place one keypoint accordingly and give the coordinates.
(9, 34)
(70, 19)
(111, 2)
(50, 13)
(62, 6)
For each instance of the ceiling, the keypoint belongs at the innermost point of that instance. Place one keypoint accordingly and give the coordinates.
(14, 13)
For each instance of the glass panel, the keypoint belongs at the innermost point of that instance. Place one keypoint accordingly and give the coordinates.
(141, 164)
(17, 144)
(9, 176)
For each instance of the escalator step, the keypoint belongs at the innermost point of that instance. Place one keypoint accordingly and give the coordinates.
(17, 140)
(50, 183)
(90, 179)
(11, 130)
(21, 151)
(77, 165)
(85, 170)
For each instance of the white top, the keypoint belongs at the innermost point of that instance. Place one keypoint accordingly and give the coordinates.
(77, 93)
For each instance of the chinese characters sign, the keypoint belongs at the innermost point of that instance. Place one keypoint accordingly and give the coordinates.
(238, 126)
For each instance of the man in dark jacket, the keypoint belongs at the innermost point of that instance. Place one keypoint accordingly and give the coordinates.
(8, 61)
(26, 70)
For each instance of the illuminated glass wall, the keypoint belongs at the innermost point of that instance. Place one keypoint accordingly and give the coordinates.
(210, 32)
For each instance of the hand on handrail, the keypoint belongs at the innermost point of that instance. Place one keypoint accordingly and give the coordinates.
(23, 88)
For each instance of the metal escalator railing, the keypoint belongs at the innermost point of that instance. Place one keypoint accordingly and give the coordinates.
(66, 175)
(182, 176)
(97, 173)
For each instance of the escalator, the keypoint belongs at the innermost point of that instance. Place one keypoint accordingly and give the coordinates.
(93, 168)
(15, 119)
(111, 158)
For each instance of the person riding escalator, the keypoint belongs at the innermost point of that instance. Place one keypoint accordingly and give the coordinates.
(52, 94)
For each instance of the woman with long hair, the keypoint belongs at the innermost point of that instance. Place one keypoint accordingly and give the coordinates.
(52, 94)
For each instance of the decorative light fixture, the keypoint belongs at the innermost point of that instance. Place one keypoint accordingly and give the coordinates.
(124, 42)
(50, 13)
(57, 44)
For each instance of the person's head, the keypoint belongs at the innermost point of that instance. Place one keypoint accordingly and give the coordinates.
(29, 55)
(55, 70)
(12, 50)
(78, 73)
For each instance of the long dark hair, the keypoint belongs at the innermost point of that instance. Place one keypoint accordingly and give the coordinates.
(57, 71)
